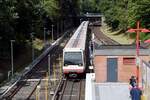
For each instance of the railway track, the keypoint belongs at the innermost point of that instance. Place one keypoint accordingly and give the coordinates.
(30, 89)
(70, 89)
(102, 37)
(24, 89)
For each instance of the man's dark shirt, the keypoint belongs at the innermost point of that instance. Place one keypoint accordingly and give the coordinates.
(135, 94)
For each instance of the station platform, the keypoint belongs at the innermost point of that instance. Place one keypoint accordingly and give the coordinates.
(105, 91)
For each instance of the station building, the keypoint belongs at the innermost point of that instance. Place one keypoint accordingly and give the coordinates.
(117, 63)
(113, 67)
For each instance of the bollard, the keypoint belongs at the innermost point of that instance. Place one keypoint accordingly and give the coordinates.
(38, 92)
(144, 97)
(46, 86)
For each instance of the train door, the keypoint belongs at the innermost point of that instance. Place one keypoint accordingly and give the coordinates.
(112, 70)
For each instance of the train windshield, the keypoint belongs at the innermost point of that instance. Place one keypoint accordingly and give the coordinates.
(73, 58)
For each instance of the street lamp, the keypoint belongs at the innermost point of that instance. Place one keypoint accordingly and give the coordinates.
(61, 26)
(32, 38)
(57, 35)
(12, 58)
(49, 62)
(52, 33)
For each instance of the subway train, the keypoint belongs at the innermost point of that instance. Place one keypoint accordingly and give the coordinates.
(74, 53)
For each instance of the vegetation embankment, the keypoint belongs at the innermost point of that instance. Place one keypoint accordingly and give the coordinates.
(123, 14)
(122, 38)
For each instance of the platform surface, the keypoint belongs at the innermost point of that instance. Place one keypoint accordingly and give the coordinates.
(106, 91)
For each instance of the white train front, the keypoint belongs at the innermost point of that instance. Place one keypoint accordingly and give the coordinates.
(74, 53)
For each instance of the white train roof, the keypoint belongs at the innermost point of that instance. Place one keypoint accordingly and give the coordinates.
(78, 40)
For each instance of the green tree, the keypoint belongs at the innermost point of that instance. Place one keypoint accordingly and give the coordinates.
(51, 8)
(122, 14)
(7, 22)
(91, 6)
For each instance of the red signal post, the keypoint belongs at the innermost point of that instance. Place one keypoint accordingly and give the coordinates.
(137, 31)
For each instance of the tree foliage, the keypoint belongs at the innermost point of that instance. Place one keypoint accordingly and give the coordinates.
(91, 6)
(51, 7)
(19, 18)
(122, 14)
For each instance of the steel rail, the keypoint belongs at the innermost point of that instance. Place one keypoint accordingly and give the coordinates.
(59, 93)
(58, 88)
(15, 91)
(80, 89)
(63, 90)
(33, 90)
(102, 37)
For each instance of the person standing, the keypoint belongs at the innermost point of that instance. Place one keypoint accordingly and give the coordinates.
(133, 81)
(135, 93)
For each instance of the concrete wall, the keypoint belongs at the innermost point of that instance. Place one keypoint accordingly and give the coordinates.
(125, 71)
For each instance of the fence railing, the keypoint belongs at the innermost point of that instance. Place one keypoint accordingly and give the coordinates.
(145, 66)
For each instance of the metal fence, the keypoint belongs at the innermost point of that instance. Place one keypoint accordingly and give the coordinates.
(146, 78)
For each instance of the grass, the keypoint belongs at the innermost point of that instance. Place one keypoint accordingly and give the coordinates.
(121, 37)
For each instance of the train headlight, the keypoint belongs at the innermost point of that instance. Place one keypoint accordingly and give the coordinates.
(80, 64)
(65, 64)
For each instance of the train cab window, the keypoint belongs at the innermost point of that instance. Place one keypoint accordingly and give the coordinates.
(73, 58)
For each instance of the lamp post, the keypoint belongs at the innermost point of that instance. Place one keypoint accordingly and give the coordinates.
(12, 58)
(138, 30)
(44, 36)
(61, 26)
(32, 38)
(52, 33)
(49, 62)
(38, 92)
(57, 33)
